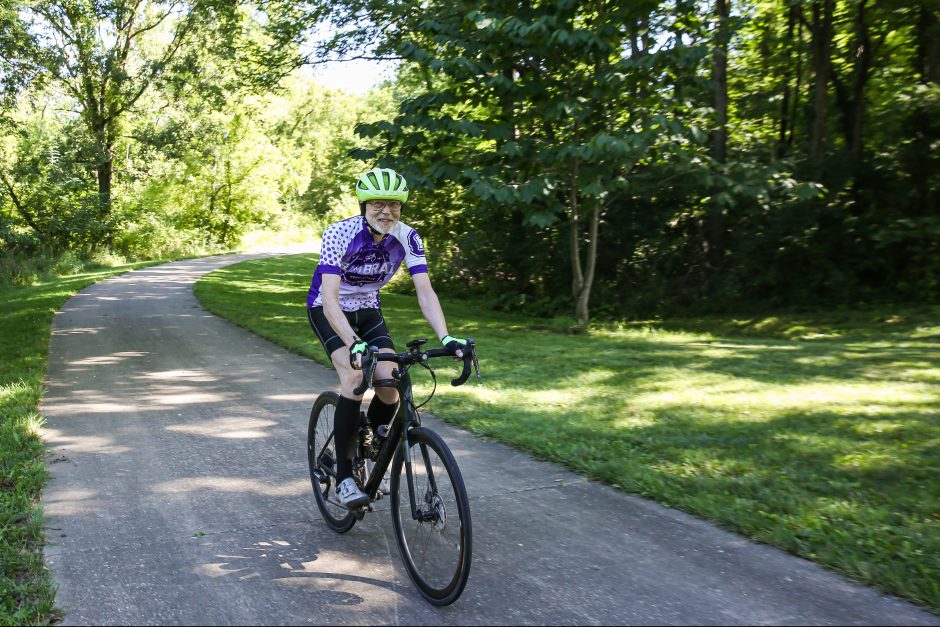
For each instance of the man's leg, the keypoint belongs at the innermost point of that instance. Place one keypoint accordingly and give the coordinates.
(384, 404)
(346, 418)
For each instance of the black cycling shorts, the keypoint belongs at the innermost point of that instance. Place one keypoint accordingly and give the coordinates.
(368, 324)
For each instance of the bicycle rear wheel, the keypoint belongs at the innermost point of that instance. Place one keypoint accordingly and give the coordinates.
(435, 544)
(321, 458)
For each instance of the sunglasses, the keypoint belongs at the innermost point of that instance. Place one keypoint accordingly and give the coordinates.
(379, 205)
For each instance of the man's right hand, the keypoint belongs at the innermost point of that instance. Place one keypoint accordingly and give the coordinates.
(356, 352)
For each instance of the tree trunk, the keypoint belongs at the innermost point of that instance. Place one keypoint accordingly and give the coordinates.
(928, 42)
(581, 280)
(582, 310)
(103, 132)
(720, 77)
(786, 122)
(715, 233)
(822, 67)
(864, 53)
(852, 99)
(677, 33)
(105, 172)
(577, 276)
(797, 80)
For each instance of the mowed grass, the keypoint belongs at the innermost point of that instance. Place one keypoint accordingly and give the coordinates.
(825, 446)
(27, 593)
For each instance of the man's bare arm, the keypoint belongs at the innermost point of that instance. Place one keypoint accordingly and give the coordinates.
(431, 306)
(329, 288)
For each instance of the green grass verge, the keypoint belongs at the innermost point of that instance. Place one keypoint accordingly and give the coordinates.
(27, 593)
(825, 446)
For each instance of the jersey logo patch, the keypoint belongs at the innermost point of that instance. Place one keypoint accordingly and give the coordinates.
(367, 266)
(415, 244)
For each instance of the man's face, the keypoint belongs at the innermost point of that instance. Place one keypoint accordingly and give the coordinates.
(382, 215)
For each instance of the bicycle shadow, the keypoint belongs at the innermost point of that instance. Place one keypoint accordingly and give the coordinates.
(307, 562)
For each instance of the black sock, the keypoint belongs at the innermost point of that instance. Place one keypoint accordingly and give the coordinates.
(380, 413)
(345, 434)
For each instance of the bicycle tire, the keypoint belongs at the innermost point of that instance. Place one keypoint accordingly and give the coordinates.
(319, 431)
(440, 577)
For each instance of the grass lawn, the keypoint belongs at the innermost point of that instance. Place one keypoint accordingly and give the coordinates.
(27, 593)
(817, 434)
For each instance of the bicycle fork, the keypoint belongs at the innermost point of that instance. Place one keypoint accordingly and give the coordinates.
(423, 515)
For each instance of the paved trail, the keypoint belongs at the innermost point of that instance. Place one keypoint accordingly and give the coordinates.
(179, 495)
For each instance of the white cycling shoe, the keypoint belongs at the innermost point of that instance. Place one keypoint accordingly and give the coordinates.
(349, 494)
(385, 486)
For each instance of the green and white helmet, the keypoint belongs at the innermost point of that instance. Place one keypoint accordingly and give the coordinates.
(382, 183)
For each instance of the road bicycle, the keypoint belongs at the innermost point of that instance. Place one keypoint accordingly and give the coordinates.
(429, 506)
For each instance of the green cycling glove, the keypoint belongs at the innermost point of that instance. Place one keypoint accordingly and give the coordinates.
(452, 344)
(358, 347)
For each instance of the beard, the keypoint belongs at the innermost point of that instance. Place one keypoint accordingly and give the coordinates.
(379, 226)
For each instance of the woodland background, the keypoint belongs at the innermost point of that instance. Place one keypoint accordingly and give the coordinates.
(590, 159)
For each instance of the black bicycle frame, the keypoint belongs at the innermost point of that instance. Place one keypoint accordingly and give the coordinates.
(406, 418)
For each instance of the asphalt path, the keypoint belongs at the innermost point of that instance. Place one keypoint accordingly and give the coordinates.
(180, 495)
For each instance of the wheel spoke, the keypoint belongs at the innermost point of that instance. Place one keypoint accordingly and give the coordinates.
(319, 456)
(435, 547)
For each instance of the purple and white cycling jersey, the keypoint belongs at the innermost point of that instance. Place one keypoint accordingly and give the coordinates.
(364, 266)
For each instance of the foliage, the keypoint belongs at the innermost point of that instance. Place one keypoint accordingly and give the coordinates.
(197, 169)
(149, 146)
(314, 130)
(538, 120)
(48, 201)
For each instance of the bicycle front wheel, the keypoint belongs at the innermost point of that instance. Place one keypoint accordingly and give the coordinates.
(321, 458)
(435, 538)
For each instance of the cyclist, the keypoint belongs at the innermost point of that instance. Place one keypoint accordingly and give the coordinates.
(357, 257)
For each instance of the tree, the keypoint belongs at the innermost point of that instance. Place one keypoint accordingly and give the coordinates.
(105, 55)
(822, 29)
(533, 114)
(43, 178)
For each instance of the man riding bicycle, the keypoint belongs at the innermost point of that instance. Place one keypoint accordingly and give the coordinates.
(357, 257)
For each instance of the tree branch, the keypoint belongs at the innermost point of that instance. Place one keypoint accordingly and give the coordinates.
(24, 213)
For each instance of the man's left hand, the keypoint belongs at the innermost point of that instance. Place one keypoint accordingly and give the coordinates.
(453, 345)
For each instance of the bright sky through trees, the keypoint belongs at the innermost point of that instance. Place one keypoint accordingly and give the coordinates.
(357, 76)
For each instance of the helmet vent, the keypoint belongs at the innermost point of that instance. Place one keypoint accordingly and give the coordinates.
(382, 183)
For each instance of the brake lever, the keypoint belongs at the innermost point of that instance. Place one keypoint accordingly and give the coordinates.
(373, 363)
(368, 373)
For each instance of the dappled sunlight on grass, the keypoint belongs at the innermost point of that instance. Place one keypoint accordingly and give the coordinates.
(18, 394)
(865, 460)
